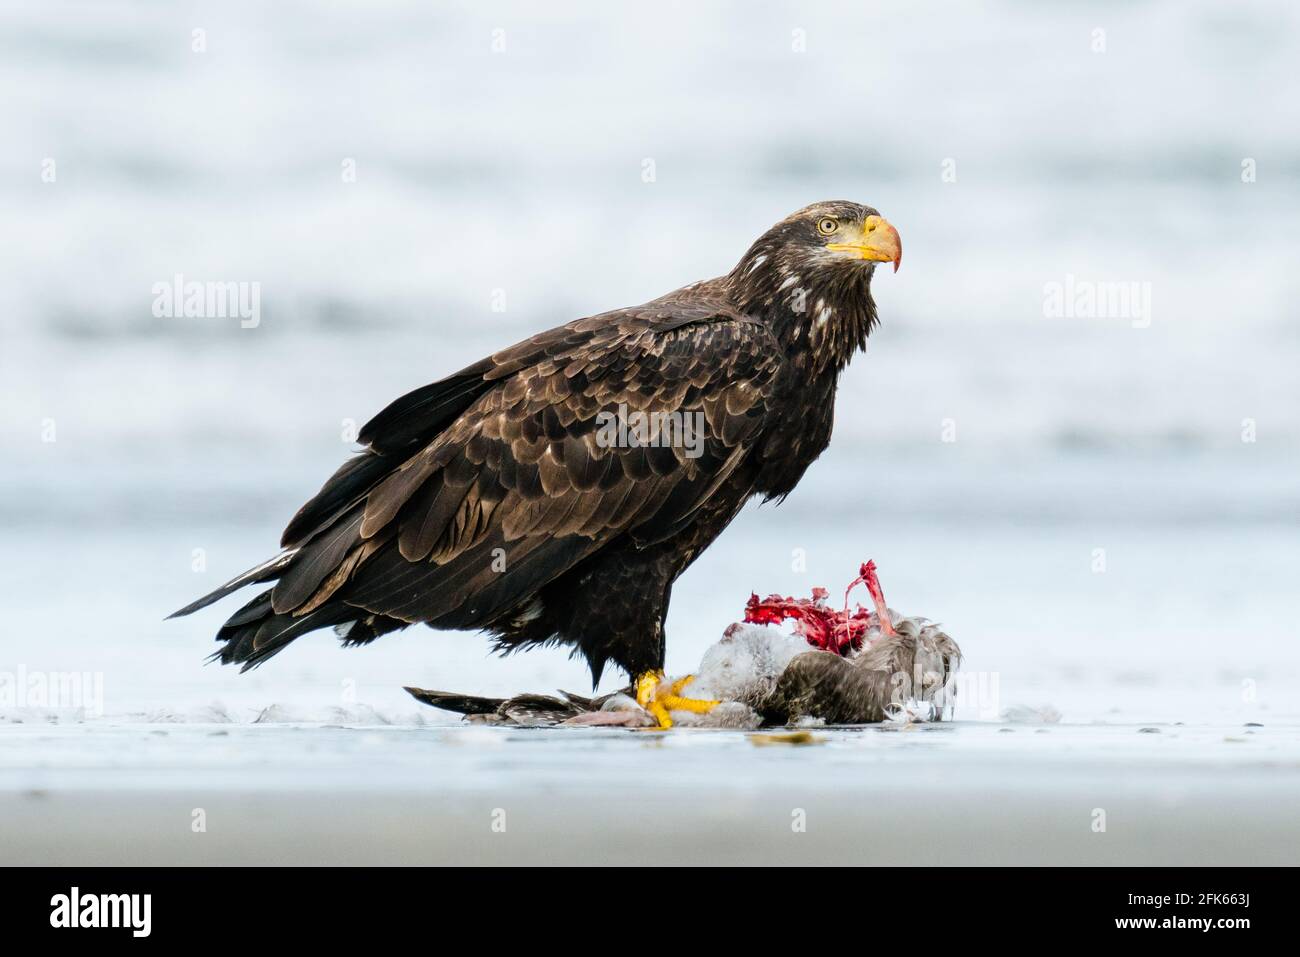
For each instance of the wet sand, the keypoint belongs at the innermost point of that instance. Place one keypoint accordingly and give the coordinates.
(965, 793)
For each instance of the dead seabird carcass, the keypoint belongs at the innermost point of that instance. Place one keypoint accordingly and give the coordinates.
(839, 667)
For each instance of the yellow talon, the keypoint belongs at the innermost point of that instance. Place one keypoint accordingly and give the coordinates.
(647, 691)
(645, 687)
(659, 700)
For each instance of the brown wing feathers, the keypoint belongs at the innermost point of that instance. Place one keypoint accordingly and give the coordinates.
(523, 471)
(478, 490)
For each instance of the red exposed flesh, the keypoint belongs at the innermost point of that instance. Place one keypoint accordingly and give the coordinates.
(867, 576)
(822, 626)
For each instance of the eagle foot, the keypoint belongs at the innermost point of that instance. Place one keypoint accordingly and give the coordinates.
(659, 698)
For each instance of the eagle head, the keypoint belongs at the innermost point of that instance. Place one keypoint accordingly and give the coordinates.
(839, 232)
(810, 276)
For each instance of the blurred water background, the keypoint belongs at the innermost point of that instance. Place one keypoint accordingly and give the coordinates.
(500, 152)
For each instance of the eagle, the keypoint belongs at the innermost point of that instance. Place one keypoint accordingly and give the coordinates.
(553, 492)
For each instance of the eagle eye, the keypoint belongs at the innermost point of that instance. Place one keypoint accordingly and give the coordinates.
(827, 226)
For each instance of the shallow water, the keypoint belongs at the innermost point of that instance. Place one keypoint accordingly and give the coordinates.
(214, 793)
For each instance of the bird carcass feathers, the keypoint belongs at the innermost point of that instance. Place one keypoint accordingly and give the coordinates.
(841, 666)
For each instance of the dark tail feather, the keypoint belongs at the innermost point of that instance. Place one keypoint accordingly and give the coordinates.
(255, 610)
(362, 631)
(522, 709)
(460, 703)
(263, 572)
(251, 642)
(256, 633)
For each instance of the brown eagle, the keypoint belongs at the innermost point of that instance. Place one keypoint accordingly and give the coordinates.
(554, 491)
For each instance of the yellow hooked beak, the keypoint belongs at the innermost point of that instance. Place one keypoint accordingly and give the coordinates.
(879, 243)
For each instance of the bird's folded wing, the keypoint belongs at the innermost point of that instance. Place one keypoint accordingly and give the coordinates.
(621, 424)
